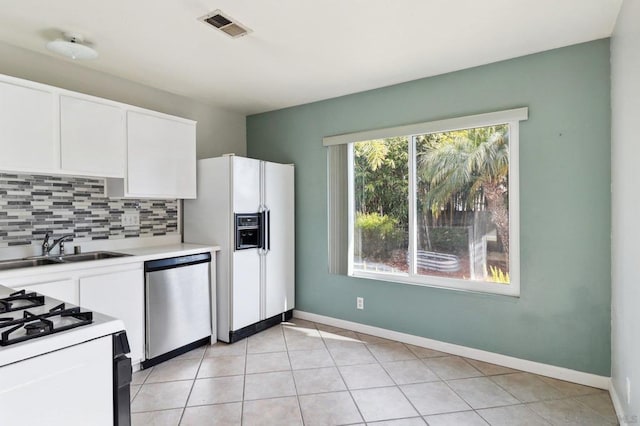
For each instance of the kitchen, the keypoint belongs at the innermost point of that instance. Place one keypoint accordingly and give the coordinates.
(98, 159)
(114, 246)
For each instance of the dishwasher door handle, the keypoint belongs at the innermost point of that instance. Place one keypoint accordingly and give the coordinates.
(176, 262)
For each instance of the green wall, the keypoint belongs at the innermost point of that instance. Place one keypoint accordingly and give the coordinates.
(563, 314)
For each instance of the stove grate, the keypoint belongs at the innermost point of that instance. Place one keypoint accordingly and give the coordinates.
(20, 300)
(41, 325)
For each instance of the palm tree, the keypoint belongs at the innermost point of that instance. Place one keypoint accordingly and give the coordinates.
(473, 162)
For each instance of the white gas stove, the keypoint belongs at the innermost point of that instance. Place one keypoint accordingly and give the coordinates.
(50, 350)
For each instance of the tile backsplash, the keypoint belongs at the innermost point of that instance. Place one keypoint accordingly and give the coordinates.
(31, 205)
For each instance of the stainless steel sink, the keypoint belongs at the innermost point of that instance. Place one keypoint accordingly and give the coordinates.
(56, 260)
(93, 255)
(26, 263)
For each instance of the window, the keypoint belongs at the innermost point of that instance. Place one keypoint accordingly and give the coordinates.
(435, 203)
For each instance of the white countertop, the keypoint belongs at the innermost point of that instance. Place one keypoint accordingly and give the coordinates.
(172, 250)
(139, 254)
(103, 325)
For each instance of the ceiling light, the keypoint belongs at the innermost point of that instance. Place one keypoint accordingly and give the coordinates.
(72, 46)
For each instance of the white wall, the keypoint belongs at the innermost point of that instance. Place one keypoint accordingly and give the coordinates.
(219, 130)
(625, 166)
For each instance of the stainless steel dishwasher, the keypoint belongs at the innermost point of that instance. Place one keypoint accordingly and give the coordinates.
(178, 308)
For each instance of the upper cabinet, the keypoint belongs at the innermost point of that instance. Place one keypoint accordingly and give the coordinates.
(93, 137)
(161, 156)
(27, 129)
(144, 154)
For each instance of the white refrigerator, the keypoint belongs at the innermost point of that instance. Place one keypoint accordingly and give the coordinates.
(246, 207)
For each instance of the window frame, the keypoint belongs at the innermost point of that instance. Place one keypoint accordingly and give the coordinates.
(511, 118)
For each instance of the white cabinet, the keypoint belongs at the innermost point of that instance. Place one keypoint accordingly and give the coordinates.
(65, 290)
(26, 129)
(161, 156)
(144, 154)
(119, 294)
(92, 137)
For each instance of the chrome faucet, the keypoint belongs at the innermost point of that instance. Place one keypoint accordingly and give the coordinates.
(46, 247)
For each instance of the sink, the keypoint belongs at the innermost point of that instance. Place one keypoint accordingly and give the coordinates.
(27, 263)
(93, 255)
(57, 260)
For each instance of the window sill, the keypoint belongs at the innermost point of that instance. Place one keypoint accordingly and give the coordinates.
(512, 289)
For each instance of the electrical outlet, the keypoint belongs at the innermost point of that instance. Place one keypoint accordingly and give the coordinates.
(130, 219)
(628, 391)
(359, 302)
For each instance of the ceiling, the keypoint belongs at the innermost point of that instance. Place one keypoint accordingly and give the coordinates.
(301, 50)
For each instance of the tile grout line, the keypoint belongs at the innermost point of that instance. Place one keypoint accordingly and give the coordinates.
(467, 402)
(337, 367)
(520, 402)
(526, 403)
(193, 383)
(509, 392)
(244, 379)
(295, 385)
(405, 395)
(585, 405)
(565, 396)
(446, 382)
(379, 363)
(141, 384)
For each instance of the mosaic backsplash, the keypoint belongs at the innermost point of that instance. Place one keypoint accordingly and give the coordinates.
(31, 205)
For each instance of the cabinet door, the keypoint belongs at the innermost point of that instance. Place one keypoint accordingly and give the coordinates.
(280, 273)
(26, 129)
(92, 137)
(185, 163)
(64, 290)
(160, 157)
(120, 295)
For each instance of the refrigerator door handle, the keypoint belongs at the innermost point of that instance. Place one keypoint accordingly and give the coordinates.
(263, 241)
(268, 228)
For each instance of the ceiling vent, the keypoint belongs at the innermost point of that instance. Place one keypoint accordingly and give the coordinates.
(225, 23)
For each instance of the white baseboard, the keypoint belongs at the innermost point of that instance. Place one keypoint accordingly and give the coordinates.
(617, 404)
(561, 373)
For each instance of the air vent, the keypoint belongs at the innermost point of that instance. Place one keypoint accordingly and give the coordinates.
(225, 23)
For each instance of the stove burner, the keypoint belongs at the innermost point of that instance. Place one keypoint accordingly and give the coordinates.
(34, 326)
(20, 300)
(16, 328)
(38, 327)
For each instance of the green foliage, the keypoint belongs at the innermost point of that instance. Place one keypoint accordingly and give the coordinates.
(465, 169)
(381, 178)
(462, 161)
(498, 275)
(374, 153)
(379, 236)
(374, 222)
(456, 172)
(450, 239)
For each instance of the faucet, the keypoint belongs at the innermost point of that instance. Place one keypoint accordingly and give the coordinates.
(46, 247)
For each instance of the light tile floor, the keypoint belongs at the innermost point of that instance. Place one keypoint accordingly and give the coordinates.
(302, 373)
